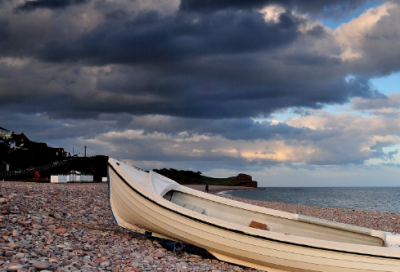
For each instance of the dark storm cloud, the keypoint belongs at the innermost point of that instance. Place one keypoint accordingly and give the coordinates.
(215, 92)
(4, 46)
(152, 38)
(126, 77)
(335, 8)
(232, 129)
(225, 64)
(48, 4)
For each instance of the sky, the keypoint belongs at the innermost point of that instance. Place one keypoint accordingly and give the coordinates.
(294, 93)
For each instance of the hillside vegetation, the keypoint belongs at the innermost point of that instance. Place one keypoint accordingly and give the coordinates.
(190, 177)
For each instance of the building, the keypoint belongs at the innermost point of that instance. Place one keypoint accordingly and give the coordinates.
(60, 152)
(71, 176)
(21, 138)
(4, 133)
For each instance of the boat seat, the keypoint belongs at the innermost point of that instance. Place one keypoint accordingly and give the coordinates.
(258, 225)
(193, 208)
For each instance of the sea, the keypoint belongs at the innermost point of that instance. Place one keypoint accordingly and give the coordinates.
(384, 199)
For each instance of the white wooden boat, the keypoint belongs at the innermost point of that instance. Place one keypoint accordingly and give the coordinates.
(277, 241)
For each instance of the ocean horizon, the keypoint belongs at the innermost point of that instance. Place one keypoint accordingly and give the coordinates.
(383, 199)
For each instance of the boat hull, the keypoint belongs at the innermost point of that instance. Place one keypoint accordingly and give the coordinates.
(134, 207)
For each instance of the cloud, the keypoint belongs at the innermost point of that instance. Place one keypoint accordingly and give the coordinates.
(351, 35)
(330, 139)
(232, 129)
(48, 4)
(319, 138)
(370, 42)
(165, 84)
(390, 101)
(329, 8)
(153, 38)
(168, 71)
(225, 64)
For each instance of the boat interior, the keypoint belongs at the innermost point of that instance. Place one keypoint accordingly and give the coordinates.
(269, 223)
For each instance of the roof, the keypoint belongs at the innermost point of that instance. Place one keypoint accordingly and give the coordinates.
(3, 129)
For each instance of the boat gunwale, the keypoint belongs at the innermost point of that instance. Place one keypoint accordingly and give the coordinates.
(240, 231)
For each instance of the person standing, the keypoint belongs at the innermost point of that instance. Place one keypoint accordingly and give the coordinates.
(206, 188)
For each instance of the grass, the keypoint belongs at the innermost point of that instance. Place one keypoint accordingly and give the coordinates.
(216, 181)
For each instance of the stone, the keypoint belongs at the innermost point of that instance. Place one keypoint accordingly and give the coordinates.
(14, 246)
(3, 200)
(9, 253)
(34, 232)
(37, 226)
(105, 264)
(14, 267)
(48, 235)
(41, 265)
(19, 255)
(60, 231)
(22, 224)
(135, 265)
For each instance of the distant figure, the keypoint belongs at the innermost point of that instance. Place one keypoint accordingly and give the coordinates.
(206, 188)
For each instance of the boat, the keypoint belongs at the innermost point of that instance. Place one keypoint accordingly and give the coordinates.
(241, 233)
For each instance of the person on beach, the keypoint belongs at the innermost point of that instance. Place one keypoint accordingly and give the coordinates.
(206, 188)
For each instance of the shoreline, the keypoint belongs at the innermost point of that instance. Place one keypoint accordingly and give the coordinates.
(67, 227)
(216, 189)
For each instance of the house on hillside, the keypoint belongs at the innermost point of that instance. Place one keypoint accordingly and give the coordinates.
(20, 137)
(6, 139)
(60, 152)
(18, 141)
(4, 133)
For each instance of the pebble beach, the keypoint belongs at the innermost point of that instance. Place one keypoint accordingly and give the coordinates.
(69, 227)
